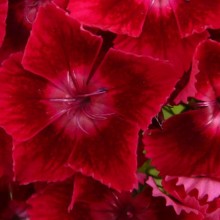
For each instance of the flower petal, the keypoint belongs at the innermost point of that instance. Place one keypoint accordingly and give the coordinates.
(161, 39)
(181, 205)
(94, 155)
(23, 100)
(207, 60)
(121, 16)
(52, 203)
(197, 15)
(43, 158)
(139, 85)
(3, 16)
(205, 186)
(56, 48)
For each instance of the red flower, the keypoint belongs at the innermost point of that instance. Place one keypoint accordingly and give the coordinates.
(188, 144)
(67, 113)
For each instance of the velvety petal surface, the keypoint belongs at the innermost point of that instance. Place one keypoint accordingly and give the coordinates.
(121, 16)
(197, 15)
(93, 155)
(55, 49)
(43, 158)
(161, 39)
(3, 16)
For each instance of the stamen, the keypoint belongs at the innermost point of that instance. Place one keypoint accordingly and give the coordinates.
(62, 99)
(79, 125)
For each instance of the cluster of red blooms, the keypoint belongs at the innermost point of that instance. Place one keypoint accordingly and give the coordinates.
(109, 109)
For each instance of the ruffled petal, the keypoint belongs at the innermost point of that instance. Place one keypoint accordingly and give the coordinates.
(206, 187)
(122, 16)
(57, 48)
(186, 206)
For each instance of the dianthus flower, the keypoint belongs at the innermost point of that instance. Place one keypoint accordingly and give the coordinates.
(66, 113)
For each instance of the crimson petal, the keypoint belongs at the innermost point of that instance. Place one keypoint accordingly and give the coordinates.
(56, 48)
(139, 85)
(121, 16)
(95, 155)
(43, 158)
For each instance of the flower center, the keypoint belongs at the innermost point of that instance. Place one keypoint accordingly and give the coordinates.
(86, 107)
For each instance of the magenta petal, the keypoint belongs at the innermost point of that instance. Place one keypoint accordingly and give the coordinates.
(160, 38)
(23, 99)
(205, 186)
(197, 15)
(3, 16)
(192, 141)
(121, 16)
(180, 201)
(43, 158)
(139, 85)
(57, 48)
